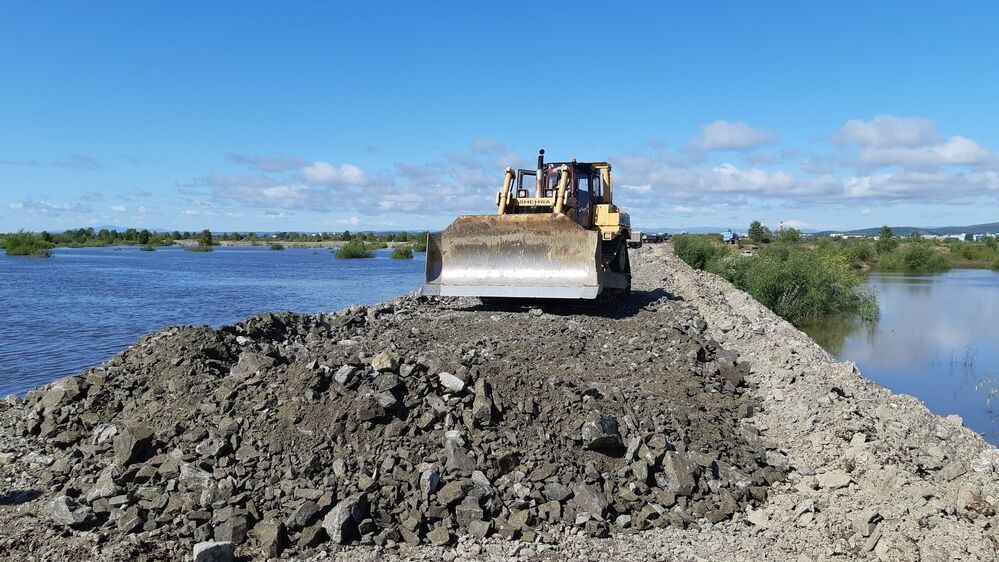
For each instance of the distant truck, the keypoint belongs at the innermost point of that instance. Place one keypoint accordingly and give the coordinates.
(730, 237)
(636, 239)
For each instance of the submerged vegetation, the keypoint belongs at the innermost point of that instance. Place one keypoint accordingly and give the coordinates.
(277, 246)
(26, 244)
(353, 250)
(402, 253)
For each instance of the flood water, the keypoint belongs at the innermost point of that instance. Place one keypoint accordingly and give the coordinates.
(63, 314)
(937, 339)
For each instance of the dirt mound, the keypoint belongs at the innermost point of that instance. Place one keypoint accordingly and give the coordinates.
(413, 422)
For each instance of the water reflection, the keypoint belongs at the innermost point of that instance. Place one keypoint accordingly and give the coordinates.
(832, 332)
(936, 339)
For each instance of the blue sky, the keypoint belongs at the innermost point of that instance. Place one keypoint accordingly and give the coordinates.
(324, 116)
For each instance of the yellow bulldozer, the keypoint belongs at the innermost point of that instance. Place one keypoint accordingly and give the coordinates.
(557, 235)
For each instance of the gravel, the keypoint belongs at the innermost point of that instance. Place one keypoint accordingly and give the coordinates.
(689, 423)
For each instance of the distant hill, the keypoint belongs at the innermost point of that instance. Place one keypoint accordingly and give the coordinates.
(987, 228)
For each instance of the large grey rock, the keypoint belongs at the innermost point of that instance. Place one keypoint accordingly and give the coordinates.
(214, 551)
(303, 514)
(233, 529)
(341, 522)
(133, 444)
(482, 406)
(65, 511)
(214, 447)
(249, 363)
(440, 536)
(453, 492)
(105, 487)
(467, 512)
(131, 520)
(600, 433)
(458, 457)
(679, 473)
(60, 393)
(557, 492)
(589, 499)
(451, 382)
(344, 374)
(273, 538)
(430, 480)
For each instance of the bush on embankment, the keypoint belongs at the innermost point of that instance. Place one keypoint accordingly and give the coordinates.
(794, 282)
(26, 244)
(353, 250)
(699, 250)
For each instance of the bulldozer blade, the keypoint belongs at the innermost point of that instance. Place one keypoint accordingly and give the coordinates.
(528, 255)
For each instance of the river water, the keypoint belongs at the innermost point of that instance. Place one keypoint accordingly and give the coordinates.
(63, 314)
(937, 339)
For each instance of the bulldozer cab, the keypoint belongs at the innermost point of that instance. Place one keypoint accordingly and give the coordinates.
(584, 190)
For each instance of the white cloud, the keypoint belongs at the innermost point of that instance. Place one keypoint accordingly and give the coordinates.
(46, 208)
(953, 151)
(888, 131)
(324, 173)
(726, 135)
(118, 208)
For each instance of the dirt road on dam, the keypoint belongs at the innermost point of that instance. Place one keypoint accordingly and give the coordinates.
(687, 424)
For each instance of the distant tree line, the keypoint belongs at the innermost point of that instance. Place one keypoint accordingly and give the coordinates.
(89, 237)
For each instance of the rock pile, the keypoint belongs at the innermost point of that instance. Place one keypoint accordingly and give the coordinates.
(413, 422)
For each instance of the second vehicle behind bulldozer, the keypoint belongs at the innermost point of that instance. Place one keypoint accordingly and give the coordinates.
(557, 234)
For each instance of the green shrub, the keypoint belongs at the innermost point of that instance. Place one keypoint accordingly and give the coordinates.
(731, 267)
(995, 264)
(913, 258)
(205, 238)
(376, 245)
(856, 253)
(277, 246)
(27, 244)
(146, 248)
(402, 253)
(698, 250)
(798, 284)
(354, 249)
(199, 247)
(795, 282)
